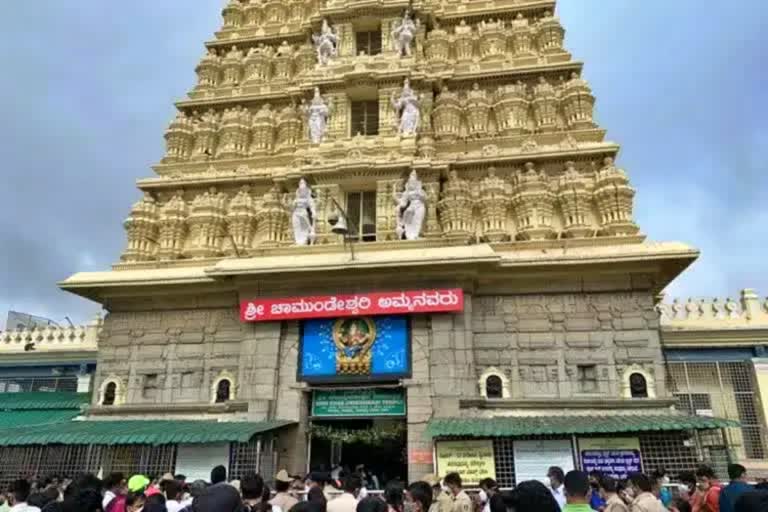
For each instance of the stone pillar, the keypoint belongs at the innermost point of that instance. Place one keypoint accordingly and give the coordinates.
(258, 368)
(84, 383)
(387, 122)
(338, 125)
(419, 396)
(386, 216)
(387, 48)
(325, 207)
(346, 39)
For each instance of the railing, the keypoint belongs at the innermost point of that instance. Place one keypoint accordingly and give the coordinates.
(52, 338)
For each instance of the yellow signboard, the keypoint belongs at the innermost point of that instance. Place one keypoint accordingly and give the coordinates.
(472, 459)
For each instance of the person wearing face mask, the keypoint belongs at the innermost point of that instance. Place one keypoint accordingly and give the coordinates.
(461, 500)
(555, 481)
(707, 482)
(660, 481)
(642, 490)
(488, 487)
(441, 500)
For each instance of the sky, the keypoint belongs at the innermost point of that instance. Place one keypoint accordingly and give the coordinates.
(87, 90)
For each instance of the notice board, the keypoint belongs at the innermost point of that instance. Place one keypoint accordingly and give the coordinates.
(472, 459)
(534, 458)
(617, 457)
(196, 461)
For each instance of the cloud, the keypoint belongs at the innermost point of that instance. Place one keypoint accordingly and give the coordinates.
(88, 92)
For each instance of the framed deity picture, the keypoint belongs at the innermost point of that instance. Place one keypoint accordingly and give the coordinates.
(355, 349)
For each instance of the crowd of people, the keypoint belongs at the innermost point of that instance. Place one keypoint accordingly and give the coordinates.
(575, 491)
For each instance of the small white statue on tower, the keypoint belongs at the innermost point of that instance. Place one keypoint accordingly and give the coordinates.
(411, 209)
(407, 108)
(303, 215)
(326, 43)
(403, 34)
(317, 113)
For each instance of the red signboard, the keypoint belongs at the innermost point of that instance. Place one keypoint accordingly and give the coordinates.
(359, 304)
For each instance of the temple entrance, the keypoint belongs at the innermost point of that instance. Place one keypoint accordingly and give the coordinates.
(341, 446)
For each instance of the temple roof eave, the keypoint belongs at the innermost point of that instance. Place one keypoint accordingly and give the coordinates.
(665, 260)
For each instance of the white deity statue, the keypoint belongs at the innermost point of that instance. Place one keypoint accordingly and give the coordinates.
(403, 34)
(407, 107)
(317, 114)
(303, 215)
(325, 43)
(411, 208)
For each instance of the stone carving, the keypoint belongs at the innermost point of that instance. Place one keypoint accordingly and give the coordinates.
(325, 43)
(493, 40)
(179, 139)
(241, 220)
(173, 227)
(578, 103)
(317, 113)
(455, 207)
(446, 116)
(478, 109)
(545, 105)
(533, 204)
(493, 203)
(403, 34)
(411, 208)
(575, 199)
(437, 46)
(614, 198)
(464, 44)
(205, 136)
(522, 36)
(273, 217)
(288, 127)
(263, 130)
(231, 67)
(207, 223)
(550, 34)
(304, 215)
(407, 108)
(258, 64)
(234, 133)
(208, 70)
(141, 228)
(511, 109)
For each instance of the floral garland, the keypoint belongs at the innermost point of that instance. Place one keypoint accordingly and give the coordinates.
(370, 436)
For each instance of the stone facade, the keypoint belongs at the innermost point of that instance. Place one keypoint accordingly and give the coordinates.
(525, 210)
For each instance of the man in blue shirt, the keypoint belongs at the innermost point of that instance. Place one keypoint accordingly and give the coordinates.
(738, 486)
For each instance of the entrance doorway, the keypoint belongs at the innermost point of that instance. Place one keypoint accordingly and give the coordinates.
(378, 444)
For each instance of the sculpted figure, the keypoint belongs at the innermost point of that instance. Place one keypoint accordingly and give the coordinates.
(411, 209)
(407, 108)
(304, 215)
(325, 43)
(403, 34)
(317, 113)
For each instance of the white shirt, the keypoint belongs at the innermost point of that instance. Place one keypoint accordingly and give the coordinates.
(174, 506)
(108, 497)
(559, 494)
(23, 507)
(344, 503)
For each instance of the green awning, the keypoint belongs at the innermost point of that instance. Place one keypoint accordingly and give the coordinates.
(558, 425)
(42, 401)
(138, 432)
(27, 419)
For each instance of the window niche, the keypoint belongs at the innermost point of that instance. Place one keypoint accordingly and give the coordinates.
(494, 384)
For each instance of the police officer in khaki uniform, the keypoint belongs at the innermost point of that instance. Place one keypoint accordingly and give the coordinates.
(461, 500)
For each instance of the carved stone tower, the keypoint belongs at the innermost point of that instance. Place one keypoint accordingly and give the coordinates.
(457, 141)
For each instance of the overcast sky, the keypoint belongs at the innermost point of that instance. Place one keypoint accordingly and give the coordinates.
(86, 92)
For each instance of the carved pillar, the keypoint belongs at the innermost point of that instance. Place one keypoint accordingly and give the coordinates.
(386, 217)
(387, 47)
(346, 39)
(431, 225)
(387, 120)
(338, 124)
